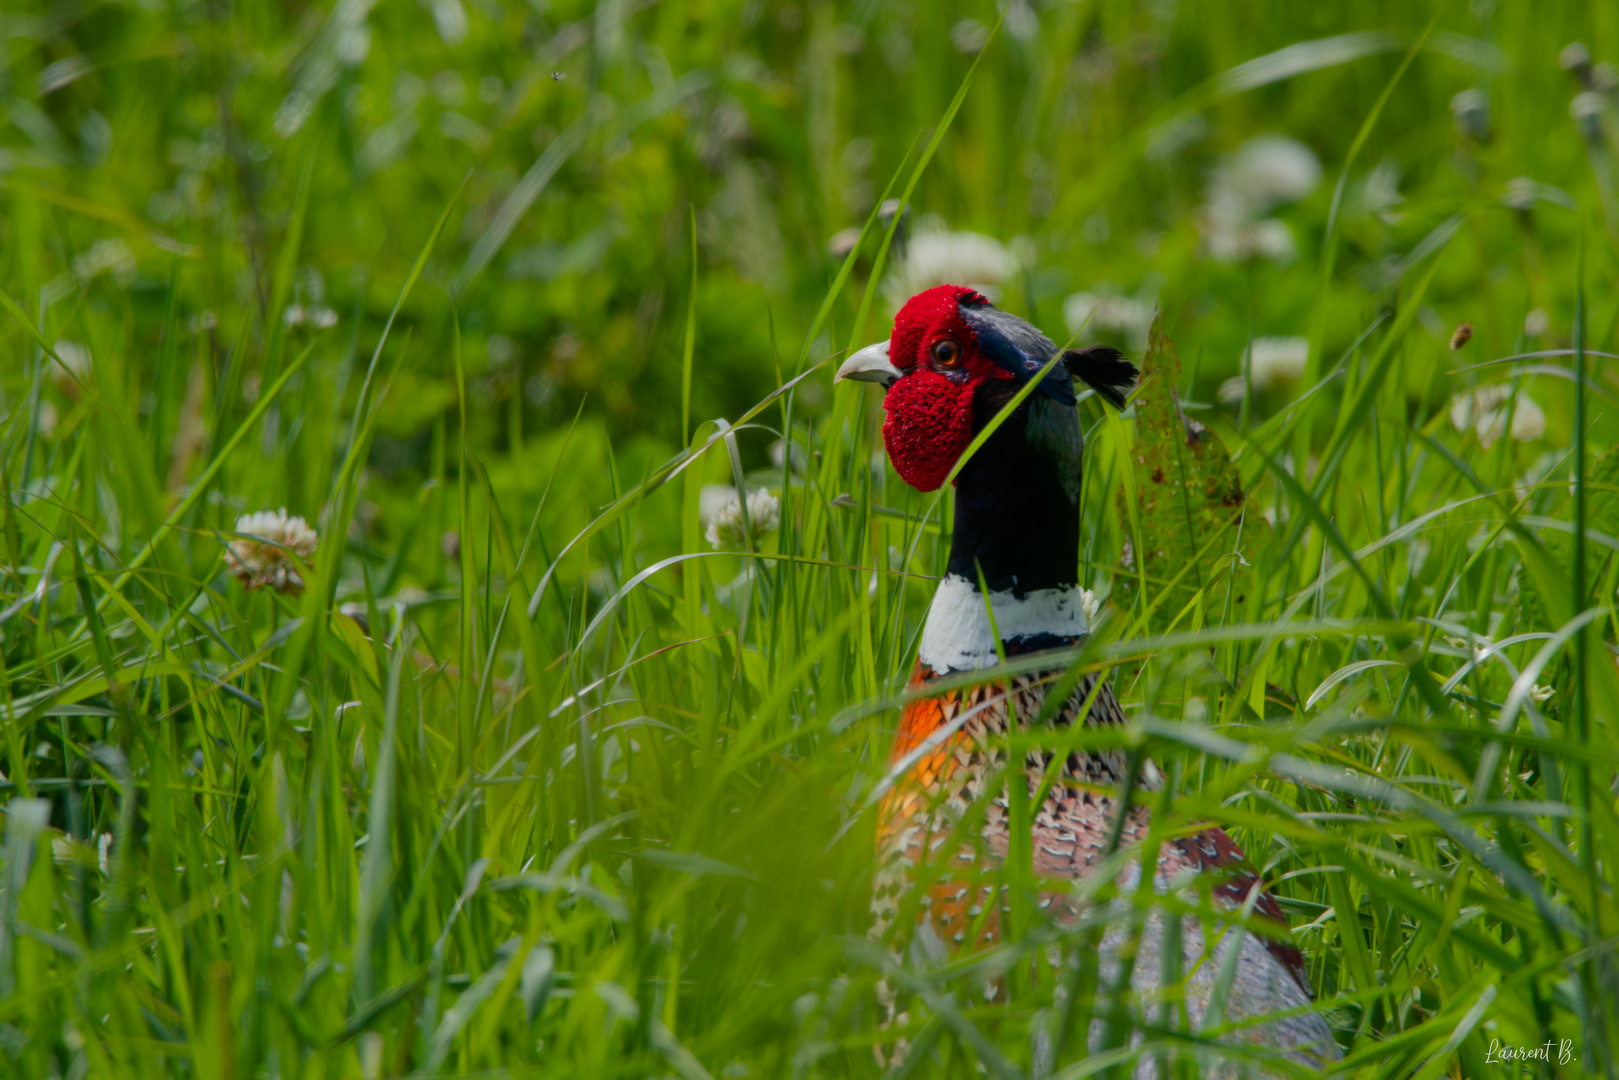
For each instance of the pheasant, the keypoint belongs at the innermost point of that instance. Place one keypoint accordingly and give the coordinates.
(953, 361)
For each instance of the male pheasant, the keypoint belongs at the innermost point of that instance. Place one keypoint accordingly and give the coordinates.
(952, 363)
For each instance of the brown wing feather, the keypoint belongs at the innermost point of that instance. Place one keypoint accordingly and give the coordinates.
(1214, 853)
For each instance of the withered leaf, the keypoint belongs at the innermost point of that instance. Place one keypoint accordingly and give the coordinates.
(1189, 497)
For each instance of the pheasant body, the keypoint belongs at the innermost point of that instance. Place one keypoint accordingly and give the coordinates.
(1011, 588)
(957, 746)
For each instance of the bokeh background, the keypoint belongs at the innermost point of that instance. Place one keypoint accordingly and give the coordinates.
(455, 281)
(1110, 155)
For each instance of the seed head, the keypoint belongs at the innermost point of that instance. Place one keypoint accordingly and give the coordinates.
(1520, 194)
(1586, 109)
(1471, 111)
(1576, 58)
(261, 554)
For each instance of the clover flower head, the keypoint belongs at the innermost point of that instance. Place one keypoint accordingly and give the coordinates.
(1278, 359)
(1272, 169)
(937, 256)
(1272, 362)
(1485, 410)
(75, 371)
(313, 315)
(721, 512)
(1262, 174)
(261, 554)
(1089, 314)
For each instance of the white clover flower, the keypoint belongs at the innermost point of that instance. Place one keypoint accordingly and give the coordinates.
(260, 555)
(1485, 411)
(721, 512)
(969, 36)
(1278, 359)
(47, 419)
(1092, 606)
(1466, 408)
(1263, 173)
(1130, 317)
(936, 256)
(1273, 169)
(1536, 323)
(1232, 240)
(1528, 419)
(1274, 361)
(74, 372)
(316, 316)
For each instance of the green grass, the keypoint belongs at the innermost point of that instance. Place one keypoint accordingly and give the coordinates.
(594, 800)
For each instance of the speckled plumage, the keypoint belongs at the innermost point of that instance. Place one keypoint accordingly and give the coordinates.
(956, 743)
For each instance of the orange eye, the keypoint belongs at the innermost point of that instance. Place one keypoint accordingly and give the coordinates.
(946, 353)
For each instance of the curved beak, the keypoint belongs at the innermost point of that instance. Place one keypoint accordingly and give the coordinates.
(870, 364)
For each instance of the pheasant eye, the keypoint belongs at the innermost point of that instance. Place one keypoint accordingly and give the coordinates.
(946, 353)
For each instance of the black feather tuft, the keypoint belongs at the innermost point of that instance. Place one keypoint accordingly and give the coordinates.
(1104, 369)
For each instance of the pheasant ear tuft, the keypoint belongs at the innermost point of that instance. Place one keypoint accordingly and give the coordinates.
(1104, 369)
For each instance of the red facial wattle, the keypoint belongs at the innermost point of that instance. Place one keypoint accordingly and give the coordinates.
(930, 414)
(929, 424)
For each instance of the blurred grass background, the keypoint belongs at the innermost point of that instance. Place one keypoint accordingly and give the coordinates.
(434, 277)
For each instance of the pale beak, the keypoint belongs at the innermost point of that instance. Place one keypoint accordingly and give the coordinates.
(870, 365)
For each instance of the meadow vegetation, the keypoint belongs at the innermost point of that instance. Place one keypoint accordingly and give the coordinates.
(535, 750)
